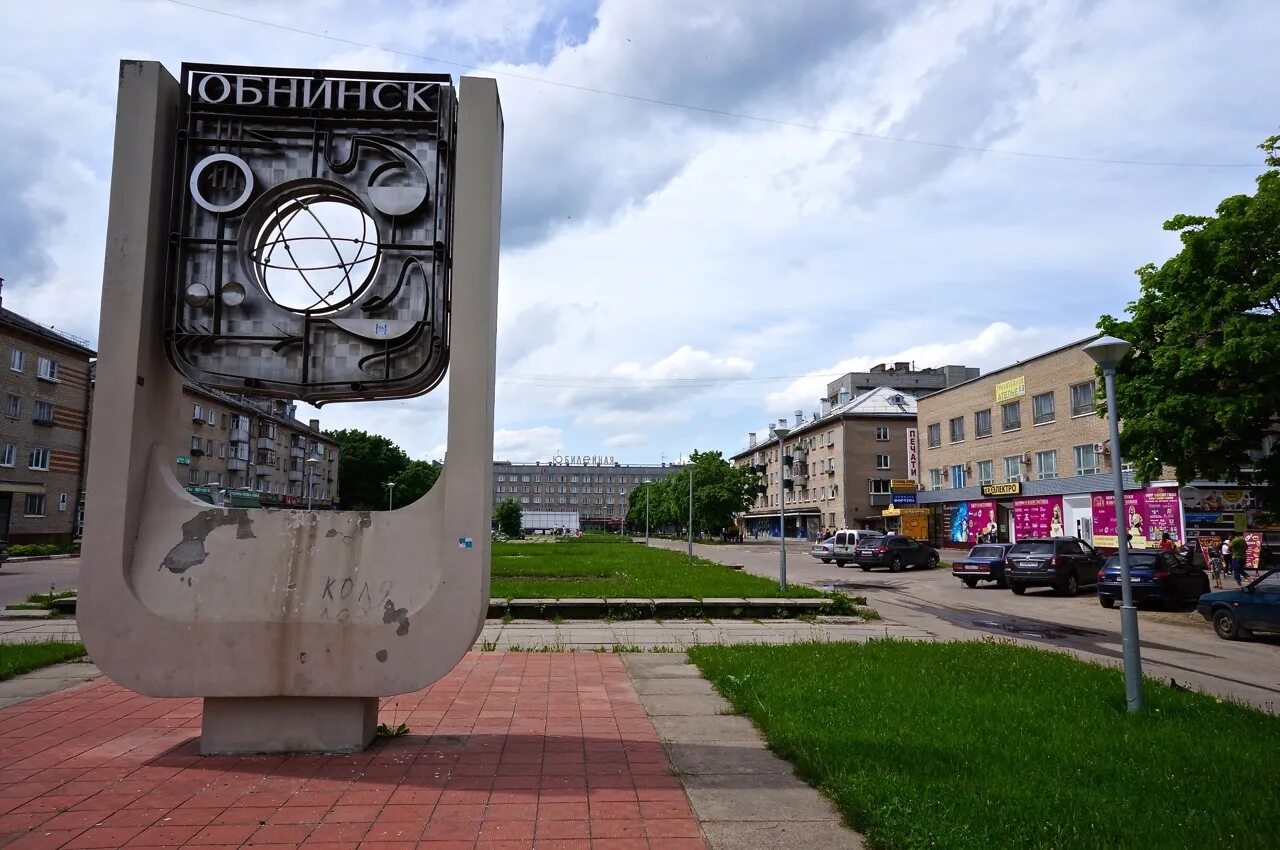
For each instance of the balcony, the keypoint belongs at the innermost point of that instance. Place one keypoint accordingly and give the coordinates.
(238, 435)
(800, 477)
(881, 499)
(295, 475)
(799, 455)
(297, 451)
(235, 464)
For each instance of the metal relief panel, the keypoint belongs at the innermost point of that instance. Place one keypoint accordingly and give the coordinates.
(310, 238)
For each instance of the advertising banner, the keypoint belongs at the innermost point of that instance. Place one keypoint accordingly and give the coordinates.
(1253, 550)
(1210, 544)
(982, 522)
(1040, 517)
(913, 455)
(959, 529)
(1148, 515)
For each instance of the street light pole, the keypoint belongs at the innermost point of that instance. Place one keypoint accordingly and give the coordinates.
(646, 511)
(391, 490)
(1107, 352)
(311, 477)
(690, 511)
(781, 432)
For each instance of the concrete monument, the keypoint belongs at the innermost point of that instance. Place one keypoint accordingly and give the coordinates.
(318, 235)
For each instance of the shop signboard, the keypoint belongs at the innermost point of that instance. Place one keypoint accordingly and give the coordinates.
(1040, 517)
(183, 460)
(1210, 544)
(1149, 514)
(904, 498)
(913, 455)
(1008, 488)
(1253, 549)
(1011, 389)
(902, 485)
(947, 518)
(973, 522)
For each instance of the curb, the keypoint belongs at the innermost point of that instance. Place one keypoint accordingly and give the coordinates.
(23, 559)
(632, 609)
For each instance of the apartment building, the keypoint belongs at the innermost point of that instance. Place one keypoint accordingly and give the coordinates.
(1022, 451)
(594, 488)
(837, 466)
(44, 380)
(901, 376)
(252, 452)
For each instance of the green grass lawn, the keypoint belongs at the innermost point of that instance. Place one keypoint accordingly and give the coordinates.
(987, 744)
(613, 567)
(18, 658)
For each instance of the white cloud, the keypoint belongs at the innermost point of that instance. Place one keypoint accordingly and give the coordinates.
(622, 441)
(527, 444)
(683, 373)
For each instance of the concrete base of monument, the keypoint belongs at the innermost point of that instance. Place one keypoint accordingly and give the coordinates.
(288, 724)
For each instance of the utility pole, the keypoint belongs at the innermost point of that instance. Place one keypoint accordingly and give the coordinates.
(691, 512)
(646, 511)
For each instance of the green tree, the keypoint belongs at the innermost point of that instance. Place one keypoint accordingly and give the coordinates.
(720, 490)
(1199, 392)
(413, 482)
(365, 464)
(510, 517)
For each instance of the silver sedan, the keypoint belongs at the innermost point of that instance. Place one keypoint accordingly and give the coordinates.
(824, 550)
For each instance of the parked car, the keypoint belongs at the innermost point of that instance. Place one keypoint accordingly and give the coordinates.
(896, 552)
(1063, 563)
(847, 540)
(1155, 576)
(1240, 612)
(985, 562)
(824, 550)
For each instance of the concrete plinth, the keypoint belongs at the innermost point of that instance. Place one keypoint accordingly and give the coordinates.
(288, 724)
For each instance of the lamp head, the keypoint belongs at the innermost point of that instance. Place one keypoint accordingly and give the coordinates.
(1108, 351)
(781, 431)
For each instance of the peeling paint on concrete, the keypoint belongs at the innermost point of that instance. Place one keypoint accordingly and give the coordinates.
(381, 655)
(191, 552)
(366, 519)
(392, 614)
(333, 532)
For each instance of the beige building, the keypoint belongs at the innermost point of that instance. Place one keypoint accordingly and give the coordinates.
(44, 382)
(837, 465)
(254, 450)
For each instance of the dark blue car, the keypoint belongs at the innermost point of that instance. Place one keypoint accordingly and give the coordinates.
(1237, 614)
(985, 562)
(1156, 576)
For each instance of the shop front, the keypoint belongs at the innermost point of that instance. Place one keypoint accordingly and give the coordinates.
(1214, 512)
(802, 524)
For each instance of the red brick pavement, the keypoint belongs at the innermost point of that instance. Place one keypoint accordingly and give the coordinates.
(510, 750)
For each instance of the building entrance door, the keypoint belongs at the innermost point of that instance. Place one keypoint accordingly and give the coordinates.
(6, 509)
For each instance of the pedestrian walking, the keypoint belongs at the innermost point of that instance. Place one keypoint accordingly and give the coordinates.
(1238, 549)
(1215, 565)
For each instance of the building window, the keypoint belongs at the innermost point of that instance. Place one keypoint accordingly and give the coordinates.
(1087, 460)
(1046, 465)
(225, 420)
(982, 423)
(38, 458)
(1042, 408)
(1011, 416)
(222, 451)
(986, 472)
(935, 479)
(882, 462)
(882, 434)
(212, 419)
(957, 429)
(1082, 398)
(878, 485)
(46, 369)
(502, 478)
(12, 406)
(957, 476)
(197, 413)
(935, 435)
(8, 455)
(197, 447)
(193, 476)
(33, 505)
(17, 359)
(44, 413)
(1013, 468)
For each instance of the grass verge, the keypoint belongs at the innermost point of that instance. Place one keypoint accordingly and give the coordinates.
(595, 568)
(989, 744)
(19, 658)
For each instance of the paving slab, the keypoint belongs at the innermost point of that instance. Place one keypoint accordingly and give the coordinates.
(511, 750)
(743, 795)
(46, 680)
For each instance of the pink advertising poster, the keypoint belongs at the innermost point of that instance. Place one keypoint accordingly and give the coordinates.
(982, 522)
(1041, 517)
(1148, 515)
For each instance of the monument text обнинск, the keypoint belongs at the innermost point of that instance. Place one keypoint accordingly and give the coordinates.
(310, 234)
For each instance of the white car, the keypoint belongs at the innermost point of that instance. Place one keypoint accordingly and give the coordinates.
(824, 550)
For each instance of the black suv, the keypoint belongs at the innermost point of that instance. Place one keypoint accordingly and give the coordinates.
(1063, 563)
(895, 552)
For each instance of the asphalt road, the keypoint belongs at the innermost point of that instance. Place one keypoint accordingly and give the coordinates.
(20, 580)
(1176, 645)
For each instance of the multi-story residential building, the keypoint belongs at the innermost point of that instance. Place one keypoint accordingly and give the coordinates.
(903, 377)
(255, 450)
(44, 382)
(595, 488)
(837, 466)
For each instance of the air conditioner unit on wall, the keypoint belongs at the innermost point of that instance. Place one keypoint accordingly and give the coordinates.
(1100, 448)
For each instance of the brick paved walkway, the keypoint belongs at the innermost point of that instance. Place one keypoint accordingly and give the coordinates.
(510, 750)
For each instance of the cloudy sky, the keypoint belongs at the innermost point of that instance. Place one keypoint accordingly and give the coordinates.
(711, 208)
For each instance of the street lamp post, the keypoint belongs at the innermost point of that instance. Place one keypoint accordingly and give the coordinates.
(647, 488)
(391, 490)
(781, 432)
(691, 511)
(311, 476)
(1107, 352)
